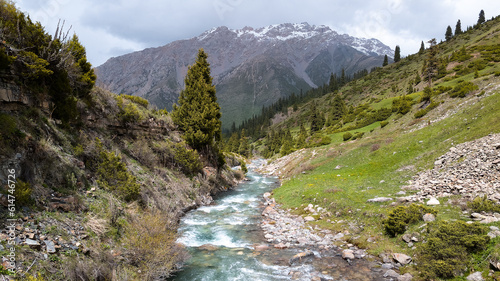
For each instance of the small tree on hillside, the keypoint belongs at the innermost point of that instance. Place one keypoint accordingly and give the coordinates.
(458, 28)
(397, 54)
(481, 18)
(449, 33)
(198, 113)
(422, 48)
(431, 65)
(386, 61)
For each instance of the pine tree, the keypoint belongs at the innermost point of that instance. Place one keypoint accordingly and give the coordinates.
(449, 34)
(422, 48)
(198, 113)
(301, 139)
(458, 28)
(244, 147)
(397, 54)
(315, 119)
(481, 18)
(386, 61)
(339, 108)
(432, 61)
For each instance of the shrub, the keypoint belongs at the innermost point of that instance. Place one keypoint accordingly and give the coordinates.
(138, 100)
(150, 245)
(113, 175)
(402, 216)
(358, 135)
(483, 204)
(244, 167)
(422, 112)
(318, 140)
(187, 159)
(383, 124)
(463, 89)
(23, 193)
(449, 244)
(347, 136)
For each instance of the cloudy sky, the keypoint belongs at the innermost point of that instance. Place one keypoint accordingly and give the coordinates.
(112, 28)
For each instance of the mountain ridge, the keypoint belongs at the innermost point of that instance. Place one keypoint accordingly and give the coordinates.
(251, 67)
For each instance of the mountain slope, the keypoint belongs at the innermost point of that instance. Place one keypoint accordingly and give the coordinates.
(251, 67)
(364, 185)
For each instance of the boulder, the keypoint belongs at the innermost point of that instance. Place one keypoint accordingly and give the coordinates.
(476, 276)
(391, 274)
(433, 201)
(348, 254)
(401, 258)
(429, 217)
(51, 247)
(405, 277)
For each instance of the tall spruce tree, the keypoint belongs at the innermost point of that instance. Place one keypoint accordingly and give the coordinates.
(422, 48)
(397, 54)
(198, 113)
(481, 18)
(458, 28)
(386, 61)
(449, 34)
(432, 63)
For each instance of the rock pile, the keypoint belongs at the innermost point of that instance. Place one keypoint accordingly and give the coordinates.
(48, 237)
(468, 169)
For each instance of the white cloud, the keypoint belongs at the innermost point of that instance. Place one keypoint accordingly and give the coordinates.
(111, 28)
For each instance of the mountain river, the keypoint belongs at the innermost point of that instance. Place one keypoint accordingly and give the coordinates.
(221, 240)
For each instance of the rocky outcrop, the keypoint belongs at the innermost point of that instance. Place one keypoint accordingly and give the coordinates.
(469, 169)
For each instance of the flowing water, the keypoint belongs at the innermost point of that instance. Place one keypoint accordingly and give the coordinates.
(221, 239)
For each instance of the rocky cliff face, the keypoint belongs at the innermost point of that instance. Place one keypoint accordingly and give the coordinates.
(251, 67)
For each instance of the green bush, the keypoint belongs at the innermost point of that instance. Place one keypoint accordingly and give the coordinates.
(187, 159)
(402, 216)
(318, 140)
(347, 136)
(422, 112)
(483, 204)
(138, 100)
(447, 251)
(23, 193)
(357, 135)
(463, 89)
(383, 124)
(113, 175)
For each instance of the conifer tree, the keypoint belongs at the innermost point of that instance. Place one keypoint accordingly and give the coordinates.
(301, 139)
(481, 18)
(244, 147)
(397, 54)
(449, 34)
(458, 28)
(431, 64)
(198, 113)
(386, 61)
(339, 108)
(422, 48)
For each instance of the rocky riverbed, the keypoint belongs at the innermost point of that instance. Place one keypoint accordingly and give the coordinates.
(284, 230)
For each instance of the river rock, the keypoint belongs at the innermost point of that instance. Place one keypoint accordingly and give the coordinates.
(33, 244)
(301, 257)
(348, 254)
(208, 247)
(405, 277)
(268, 211)
(401, 258)
(391, 274)
(261, 247)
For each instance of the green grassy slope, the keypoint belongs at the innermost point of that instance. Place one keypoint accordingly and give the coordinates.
(342, 176)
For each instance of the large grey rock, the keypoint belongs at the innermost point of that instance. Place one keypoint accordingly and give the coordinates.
(429, 217)
(51, 247)
(401, 258)
(348, 254)
(476, 276)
